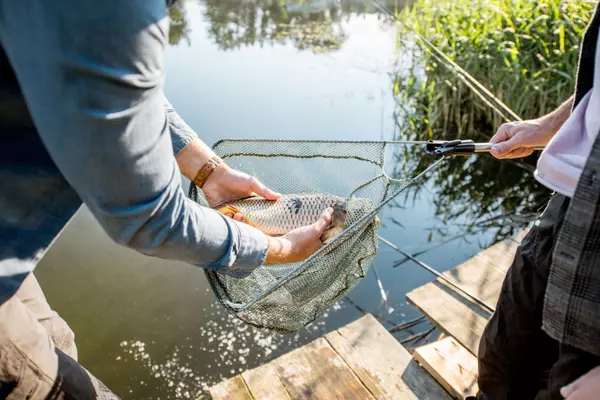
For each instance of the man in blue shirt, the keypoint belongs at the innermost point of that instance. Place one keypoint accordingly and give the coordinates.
(83, 118)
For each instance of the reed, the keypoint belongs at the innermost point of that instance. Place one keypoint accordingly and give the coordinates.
(525, 52)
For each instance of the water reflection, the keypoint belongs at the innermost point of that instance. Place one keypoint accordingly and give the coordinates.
(309, 25)
(179, 29)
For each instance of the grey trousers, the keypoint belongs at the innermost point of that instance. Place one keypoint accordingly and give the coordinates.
(38, 356)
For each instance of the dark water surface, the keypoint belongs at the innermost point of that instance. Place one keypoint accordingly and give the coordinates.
(151, 328)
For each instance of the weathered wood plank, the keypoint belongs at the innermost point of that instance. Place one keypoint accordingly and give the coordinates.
(520, 235)
(451, 312)
(454, 313)
(316, 371)
(479, 277)
(264, 383)
(233, 388)
(501, 254)
(381, 363)
(451, 365)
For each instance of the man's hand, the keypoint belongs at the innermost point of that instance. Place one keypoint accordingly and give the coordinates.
(299, 244)
(226, 184)
(518, 139)
(585, 388)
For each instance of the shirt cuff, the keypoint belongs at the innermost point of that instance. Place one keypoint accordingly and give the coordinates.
(181, 133)
(246, 250)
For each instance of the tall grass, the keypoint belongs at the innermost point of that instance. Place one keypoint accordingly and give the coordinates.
(526, 52)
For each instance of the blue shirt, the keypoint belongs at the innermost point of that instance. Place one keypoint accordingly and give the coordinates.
(83, 118)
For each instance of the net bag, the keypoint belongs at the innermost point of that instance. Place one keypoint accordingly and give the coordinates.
(287, 297)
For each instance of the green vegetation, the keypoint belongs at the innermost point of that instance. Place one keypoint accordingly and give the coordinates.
(315, 25)
(235, 23)
(525, 52)
(179, 28)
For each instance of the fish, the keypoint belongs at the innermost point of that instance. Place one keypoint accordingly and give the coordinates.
(278, 217)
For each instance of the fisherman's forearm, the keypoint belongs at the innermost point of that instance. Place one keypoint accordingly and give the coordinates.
(555, 120)
(192, 157)
(190, 152)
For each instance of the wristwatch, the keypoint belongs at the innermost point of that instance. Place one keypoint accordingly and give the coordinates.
(206, 170)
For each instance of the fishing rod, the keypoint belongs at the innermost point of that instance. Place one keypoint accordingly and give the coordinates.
(449, 281)
(448, 148)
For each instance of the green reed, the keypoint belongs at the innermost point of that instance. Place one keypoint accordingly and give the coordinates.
(523, 51)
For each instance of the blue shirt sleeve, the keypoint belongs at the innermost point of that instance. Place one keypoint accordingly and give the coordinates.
(181, 133)
(92, 75)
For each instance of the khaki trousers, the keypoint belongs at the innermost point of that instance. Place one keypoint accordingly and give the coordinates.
(38, 356)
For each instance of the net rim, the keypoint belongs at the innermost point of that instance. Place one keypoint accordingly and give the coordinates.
(385, 143)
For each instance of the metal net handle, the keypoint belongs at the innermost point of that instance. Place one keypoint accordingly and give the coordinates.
(341, 236)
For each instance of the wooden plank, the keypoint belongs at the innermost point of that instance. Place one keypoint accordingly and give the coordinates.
(518, 237)
(501, 254)
(264, 383)
(479, 277)
(316, 371)
(381, 363)
(231, 389)
(451, 365)
(451, 312)
(454, 313)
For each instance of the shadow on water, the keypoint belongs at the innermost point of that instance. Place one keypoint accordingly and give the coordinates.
(152, 329)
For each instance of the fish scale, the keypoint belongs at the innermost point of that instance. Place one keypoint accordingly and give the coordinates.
(276, 218)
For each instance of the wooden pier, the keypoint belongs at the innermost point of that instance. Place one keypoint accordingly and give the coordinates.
(364, 361)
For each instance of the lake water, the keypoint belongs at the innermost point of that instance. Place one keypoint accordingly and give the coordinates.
(152, 329)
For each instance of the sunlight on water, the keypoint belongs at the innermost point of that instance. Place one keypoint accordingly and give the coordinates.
(226, 344)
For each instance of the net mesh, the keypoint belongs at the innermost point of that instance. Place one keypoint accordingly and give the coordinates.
(287, 297)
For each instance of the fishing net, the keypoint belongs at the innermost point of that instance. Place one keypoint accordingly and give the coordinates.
(287, 297)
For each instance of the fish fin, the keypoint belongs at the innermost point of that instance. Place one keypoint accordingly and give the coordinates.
(234, 210)
(228, 208)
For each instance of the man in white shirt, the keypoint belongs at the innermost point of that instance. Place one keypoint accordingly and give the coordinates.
(543, 341)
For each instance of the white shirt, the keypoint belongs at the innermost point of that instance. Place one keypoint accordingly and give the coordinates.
(562, 161)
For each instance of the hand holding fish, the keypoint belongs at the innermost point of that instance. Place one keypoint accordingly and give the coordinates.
(300, 243)
(227, 184)
(224, 184)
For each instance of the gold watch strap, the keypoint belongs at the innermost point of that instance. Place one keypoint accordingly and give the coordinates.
(206, 170)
